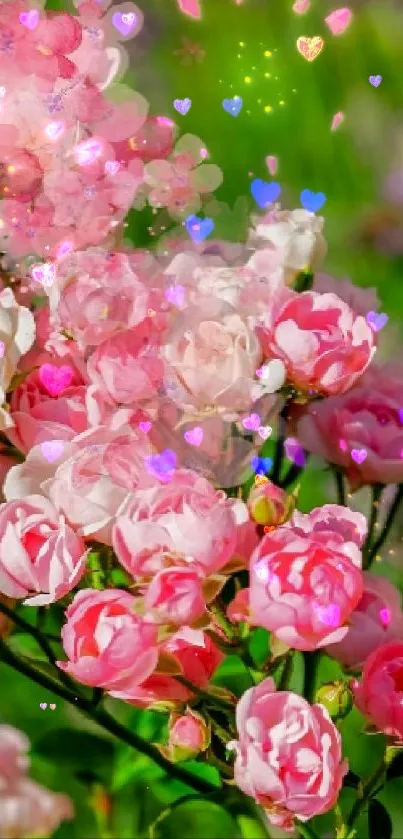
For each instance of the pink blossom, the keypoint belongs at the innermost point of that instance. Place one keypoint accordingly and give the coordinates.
(288, 755)
(97, 294)
(368, 418)
(38, 415)
(379, 693)
(175, 596)
(14, 762)
(323, 344)
(179, 184)
(41, 558)
(31, 810)
(198, 658)
(306, 577)
(88, 481)
(107, 645)
(183, 518)
(212, 355)
(376, 619)
(126, 367)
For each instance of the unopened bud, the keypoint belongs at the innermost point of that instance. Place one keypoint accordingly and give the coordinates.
(189, 734)
(336, 697)
(268, 504)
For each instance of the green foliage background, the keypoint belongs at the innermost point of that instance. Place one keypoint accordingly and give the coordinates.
(347, 166)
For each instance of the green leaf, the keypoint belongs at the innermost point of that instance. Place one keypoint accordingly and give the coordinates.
(395, 769)
(380, 825)
(197, 819)
(234, 675)
(78, 751)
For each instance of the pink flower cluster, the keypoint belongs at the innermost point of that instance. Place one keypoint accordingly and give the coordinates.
(26, 809)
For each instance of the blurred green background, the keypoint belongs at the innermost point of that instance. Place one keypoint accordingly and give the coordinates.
(349, 166)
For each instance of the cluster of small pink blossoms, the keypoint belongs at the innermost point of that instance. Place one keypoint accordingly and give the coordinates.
(142, 387)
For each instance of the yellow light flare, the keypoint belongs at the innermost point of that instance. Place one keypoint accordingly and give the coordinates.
(247, 79)
(268, 109)
(268, 54)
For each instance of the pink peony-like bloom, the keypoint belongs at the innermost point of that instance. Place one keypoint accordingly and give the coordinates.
(86, 479)
(184, 517)
(324, 345)
(14, 762)
(38, 552)
(175, 596)
(197, 657)
(212, 356)
(376, 619)
(362, 430)
(379, 694)
(97, 294)
(126, 367)
(179, 184)
(30, 810)
(306, 579)
(39, 414)
(106, 643)
(289, 754)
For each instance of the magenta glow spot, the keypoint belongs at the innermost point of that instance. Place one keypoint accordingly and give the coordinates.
(384, 617)
(329, 615)
(343, 445)
(87, 151)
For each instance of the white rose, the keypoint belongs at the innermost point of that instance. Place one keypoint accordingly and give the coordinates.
(298, 234)
(17, 335)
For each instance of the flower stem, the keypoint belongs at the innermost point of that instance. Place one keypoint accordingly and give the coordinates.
(106, 721)
(341, 492)
(377, 545)
(311, 661)
(305, 831)
(42, 643)
(366, 793)
(376, 491)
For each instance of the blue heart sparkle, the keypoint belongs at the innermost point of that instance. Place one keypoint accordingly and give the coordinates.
(264, 192)
(312, 201)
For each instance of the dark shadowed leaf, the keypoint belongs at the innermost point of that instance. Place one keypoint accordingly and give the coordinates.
(77, 750)
(379, 823)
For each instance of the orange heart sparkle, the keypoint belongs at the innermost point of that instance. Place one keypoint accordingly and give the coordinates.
(310, 47)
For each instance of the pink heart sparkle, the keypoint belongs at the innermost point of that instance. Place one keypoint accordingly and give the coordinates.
(194, 436)
(52, 449)
(145, 426)
(338, 21)
(359, 455)
(55, 379)
(30, 19)
(252, 423)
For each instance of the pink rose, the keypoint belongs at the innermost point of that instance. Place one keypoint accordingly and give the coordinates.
(127, 367)
(198, 658)
(361, 431)
(289, 756)
(97, 294)
(31, 810)
(87, 479)
(40, 414)
(212, 356)
(305, 577)
(379, 693)
(184, 517)
(376, 619)
(324, 345)
(106, 643)
(38, 552)
(14, 762)
(175, 596)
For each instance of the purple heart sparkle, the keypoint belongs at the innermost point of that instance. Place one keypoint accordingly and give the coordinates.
(182, 105)
(375, 80)
(359, 455)
(124, 23)
(377, 320)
